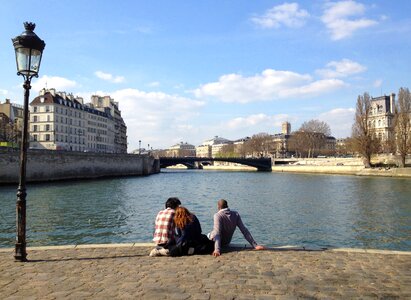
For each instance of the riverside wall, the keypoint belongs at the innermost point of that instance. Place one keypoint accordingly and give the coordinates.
(46, 165)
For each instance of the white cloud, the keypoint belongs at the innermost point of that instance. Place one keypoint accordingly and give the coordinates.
(56, 82)
(256, 120)
(342, 18)
(109, 77)
(343, 68)
(286, 14)
(4, 92)
(156, 117)
(270, 84)
(340, 121)
(154, 84)
(377, 83)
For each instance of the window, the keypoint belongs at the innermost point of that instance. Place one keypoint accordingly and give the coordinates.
(47, 127)
(47, 137)
(48, 118)
(47, 108)
(35, 137)
(34, 118)
(34, 127)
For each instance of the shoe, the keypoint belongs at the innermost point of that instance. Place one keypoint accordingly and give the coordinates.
(159, 252)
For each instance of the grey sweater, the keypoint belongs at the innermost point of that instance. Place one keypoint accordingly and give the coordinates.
(225, 223)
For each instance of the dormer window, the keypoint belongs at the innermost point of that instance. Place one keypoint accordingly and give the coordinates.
(42, 99)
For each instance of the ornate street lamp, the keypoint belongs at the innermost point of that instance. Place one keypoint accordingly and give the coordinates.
(29, 49)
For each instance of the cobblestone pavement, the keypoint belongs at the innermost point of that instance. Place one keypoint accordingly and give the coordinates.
(127, 272)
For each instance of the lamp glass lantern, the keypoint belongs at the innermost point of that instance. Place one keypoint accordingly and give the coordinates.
(29, 50)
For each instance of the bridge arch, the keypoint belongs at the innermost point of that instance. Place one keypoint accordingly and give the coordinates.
(261, 164)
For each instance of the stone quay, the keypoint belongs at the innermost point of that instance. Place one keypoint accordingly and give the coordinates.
(125, 271)
(50, 165)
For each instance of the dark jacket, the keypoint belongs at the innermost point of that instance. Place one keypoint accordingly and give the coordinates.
(190, 237)
(190, 233)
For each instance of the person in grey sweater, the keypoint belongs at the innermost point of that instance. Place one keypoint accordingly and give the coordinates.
(225, 223)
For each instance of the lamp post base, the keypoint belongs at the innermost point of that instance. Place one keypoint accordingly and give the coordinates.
(20, 252)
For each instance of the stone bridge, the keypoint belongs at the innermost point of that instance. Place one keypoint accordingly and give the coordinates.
(261, 164)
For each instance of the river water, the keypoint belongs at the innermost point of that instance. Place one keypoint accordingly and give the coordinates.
(278, 208)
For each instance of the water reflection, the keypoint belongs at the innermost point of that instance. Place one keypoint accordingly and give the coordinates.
(279, 209)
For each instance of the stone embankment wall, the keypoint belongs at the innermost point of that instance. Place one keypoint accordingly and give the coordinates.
(44, 165)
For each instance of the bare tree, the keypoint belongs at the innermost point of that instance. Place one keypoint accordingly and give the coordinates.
(311, 137)
(240, 150)
(316, 126)
(402, 124)
(227, 151)
(260, 144)
(298, 143)
(363, 138)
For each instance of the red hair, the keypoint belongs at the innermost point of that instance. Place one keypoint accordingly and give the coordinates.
(182, 217)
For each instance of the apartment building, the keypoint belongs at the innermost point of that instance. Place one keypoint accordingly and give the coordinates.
(210, 148)
(108, 105)
(60, 121)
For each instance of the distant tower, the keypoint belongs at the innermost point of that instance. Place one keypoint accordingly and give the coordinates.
(286, 128)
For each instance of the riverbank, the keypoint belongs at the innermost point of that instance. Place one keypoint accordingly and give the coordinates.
(127, 272)
(337, 167)
(345, 170)
(342, 166)
(48, 165)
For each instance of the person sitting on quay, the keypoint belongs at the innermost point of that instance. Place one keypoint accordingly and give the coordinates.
(225, 223)
(190, 239)
(164, 232)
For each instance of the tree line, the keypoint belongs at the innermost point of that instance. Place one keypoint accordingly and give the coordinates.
(309, 140)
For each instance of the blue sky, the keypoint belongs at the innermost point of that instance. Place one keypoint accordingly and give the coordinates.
(190, 70)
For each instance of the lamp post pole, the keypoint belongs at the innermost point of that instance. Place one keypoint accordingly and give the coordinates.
(20, 251)
(29, 49)
(139, 146)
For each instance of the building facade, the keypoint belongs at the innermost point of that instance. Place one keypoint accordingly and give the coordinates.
(381, 116)
(62, 122)
(108, 105)
(11, 124)
(212, 147)
(181, 150)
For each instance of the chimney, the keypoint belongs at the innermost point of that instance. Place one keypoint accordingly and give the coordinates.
(42, 92)
(392, 103)
(62, 95)
(7, 101)
(53, 92)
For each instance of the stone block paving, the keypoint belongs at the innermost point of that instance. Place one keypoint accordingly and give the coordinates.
(129, 273)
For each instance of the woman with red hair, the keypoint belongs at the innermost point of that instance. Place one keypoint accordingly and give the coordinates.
(190, 240)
